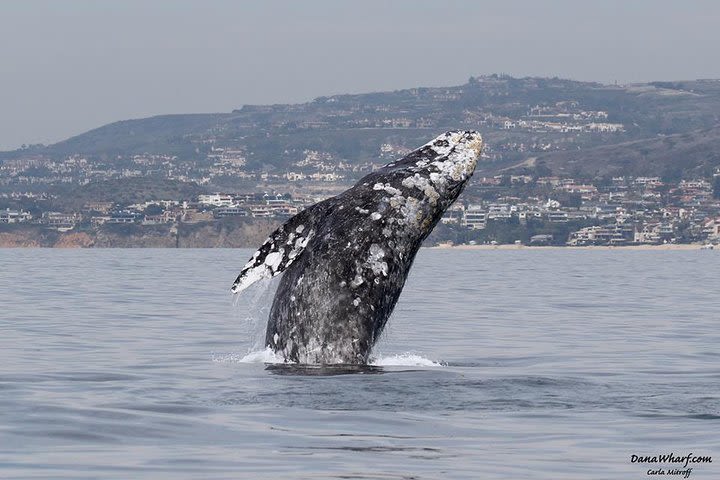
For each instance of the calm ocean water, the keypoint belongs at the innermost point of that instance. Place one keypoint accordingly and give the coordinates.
(497, 364)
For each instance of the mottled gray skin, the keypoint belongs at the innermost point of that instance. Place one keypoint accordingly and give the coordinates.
(346, 259)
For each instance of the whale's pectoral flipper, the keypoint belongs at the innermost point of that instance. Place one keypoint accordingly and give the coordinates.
(279, 251)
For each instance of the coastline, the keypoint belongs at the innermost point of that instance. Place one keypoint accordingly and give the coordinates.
(674, 246)
(89, 245)
(227, 233)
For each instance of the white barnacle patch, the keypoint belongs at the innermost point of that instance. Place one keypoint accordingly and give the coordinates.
(387, 187)
(357, 281)
(362, 210)
(375, 260)
(397, 202)
(460, 164)
(424, 185)
(292, 298)
(356, 302)
(411, 211)
(300, 228)
(456, 154)
(439, 181)
(376, 251)
(449, 169)
(375, 216)
(276, 337)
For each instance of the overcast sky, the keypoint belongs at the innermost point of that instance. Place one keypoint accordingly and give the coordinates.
(70, 66)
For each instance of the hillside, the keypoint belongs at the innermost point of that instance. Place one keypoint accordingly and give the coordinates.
(520, 118)
(123, 191)
(692, 154)
(161, 134)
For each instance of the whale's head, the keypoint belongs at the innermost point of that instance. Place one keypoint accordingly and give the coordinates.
(441, 168)
(454, 156)
(412, 193)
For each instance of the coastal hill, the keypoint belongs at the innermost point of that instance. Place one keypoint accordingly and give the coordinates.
(520, 118)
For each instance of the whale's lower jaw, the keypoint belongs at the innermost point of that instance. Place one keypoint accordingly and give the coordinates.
(320, 316)
(322, 337)
(348, 344)
(328, 355)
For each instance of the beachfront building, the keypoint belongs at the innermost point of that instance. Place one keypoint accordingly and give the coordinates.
(474, 218)
(60, 220)
(611, 234)
(455, 214)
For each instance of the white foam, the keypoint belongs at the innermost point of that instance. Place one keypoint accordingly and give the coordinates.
(403, 360)
(263, 356)
(269, 356)
(260, 356)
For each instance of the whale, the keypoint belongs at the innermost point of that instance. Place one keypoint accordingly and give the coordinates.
(344, 260)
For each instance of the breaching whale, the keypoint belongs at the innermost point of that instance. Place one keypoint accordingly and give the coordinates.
(345, 259)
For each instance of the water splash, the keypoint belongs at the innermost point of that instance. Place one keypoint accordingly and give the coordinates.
(403, 360)
(268, 356)
(253, 307)
(259, 356)
(263, 356)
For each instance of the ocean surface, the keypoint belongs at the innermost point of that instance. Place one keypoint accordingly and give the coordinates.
(497, 364)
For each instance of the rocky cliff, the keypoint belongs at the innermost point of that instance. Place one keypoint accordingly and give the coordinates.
(227, 233)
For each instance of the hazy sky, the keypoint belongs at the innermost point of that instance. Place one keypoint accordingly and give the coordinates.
(69, 66)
